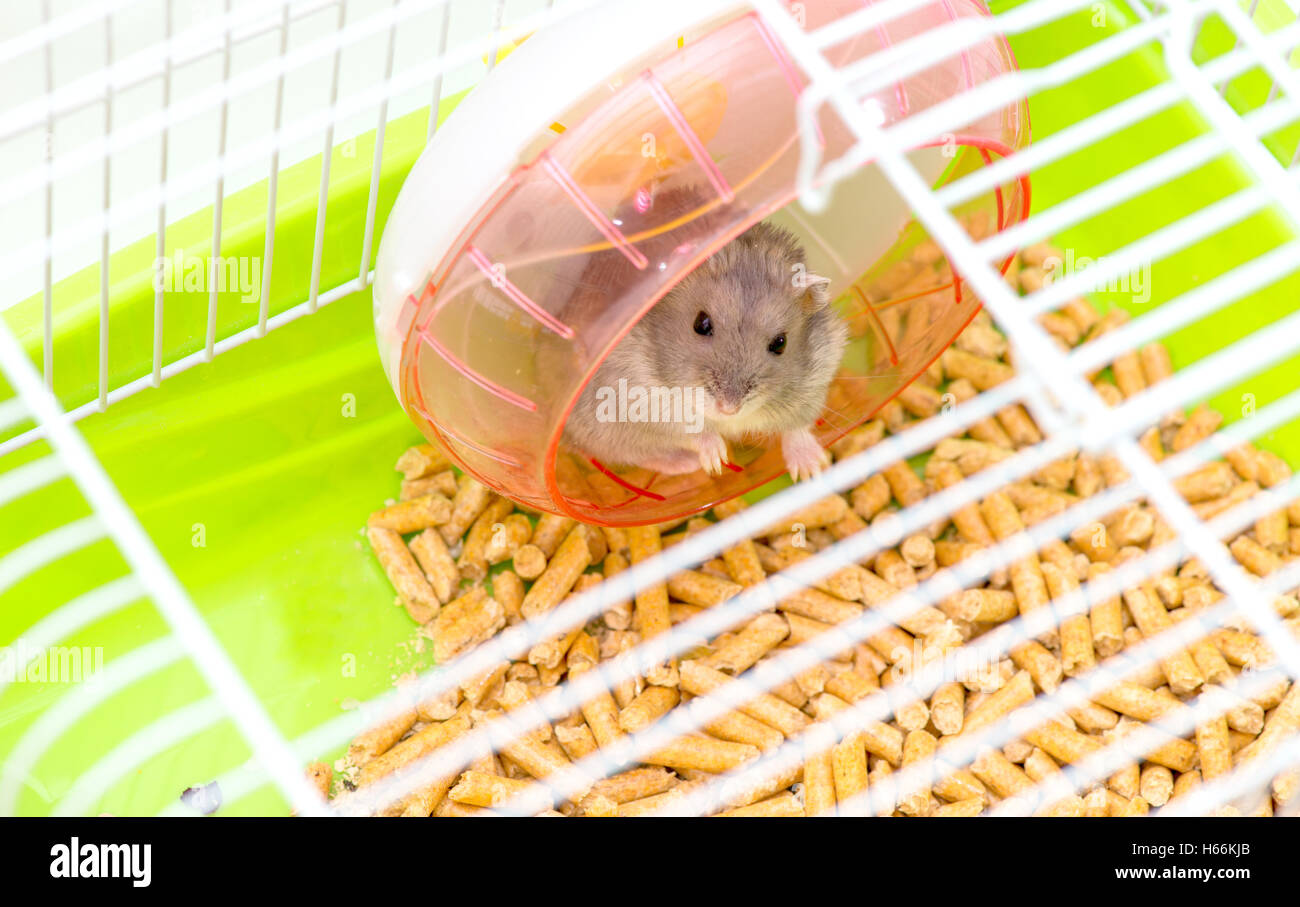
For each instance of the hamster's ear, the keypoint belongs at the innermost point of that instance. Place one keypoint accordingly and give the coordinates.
(818, 293)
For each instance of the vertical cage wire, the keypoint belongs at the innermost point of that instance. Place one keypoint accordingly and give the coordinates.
(1070, 409)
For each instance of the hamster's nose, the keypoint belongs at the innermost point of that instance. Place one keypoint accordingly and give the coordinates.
(728, 394)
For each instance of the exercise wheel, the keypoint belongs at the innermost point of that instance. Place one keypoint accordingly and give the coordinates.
(654, 138)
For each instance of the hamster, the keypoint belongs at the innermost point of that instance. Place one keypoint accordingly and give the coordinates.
(751, 341)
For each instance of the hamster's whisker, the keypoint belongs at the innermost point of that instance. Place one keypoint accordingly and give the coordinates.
(830, 409)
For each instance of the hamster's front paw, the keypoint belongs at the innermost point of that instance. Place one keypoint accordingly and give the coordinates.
(804, 457)
(677, 463)
(712, 451)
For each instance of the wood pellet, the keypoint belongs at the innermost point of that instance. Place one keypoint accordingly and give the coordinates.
(465, 563)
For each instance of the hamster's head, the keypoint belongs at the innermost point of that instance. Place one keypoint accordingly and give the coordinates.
(754, 330)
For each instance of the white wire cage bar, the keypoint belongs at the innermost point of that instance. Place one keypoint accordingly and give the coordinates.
(117, 142)
(1051, 382)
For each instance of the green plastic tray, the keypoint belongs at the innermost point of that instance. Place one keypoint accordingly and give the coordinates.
(272, 455)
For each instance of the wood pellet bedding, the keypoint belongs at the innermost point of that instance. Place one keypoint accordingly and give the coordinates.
(466, 563)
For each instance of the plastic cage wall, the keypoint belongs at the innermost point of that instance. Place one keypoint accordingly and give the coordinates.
(194, 544)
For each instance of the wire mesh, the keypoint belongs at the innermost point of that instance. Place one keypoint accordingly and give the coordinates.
(1054, 384)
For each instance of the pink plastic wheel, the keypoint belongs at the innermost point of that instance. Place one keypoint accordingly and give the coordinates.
(659, 141)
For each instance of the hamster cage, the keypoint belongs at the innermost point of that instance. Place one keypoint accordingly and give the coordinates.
(187, 451)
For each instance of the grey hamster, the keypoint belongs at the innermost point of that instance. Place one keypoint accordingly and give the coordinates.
(749, 343)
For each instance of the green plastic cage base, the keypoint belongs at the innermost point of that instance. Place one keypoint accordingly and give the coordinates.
(254, 474)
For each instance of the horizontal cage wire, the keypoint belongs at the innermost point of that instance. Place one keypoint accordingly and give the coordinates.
(1229, 92)
(215, 41)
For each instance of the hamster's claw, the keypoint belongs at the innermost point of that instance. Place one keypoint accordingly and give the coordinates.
(713, 453)
(804, 457)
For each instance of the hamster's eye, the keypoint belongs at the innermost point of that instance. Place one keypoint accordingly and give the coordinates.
(703, 325)
(777, 346)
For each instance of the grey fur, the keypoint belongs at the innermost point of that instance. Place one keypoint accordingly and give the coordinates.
(748, 288)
